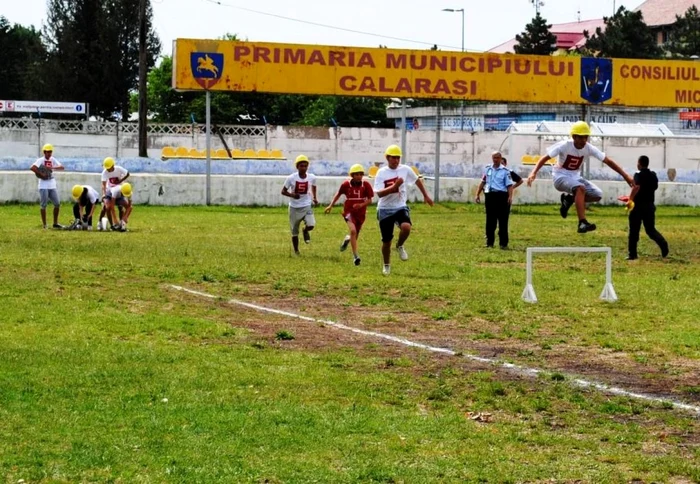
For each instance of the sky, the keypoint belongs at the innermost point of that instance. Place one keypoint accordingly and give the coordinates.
(401, 24)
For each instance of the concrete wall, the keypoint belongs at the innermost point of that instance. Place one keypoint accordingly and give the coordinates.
(168, 189)
(356, 145)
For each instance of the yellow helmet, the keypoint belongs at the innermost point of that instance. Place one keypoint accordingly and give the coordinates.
(393, 150)
(580, 128)
(47, 147)
(108, 163)
(77, 191)
(126, 190)
(356, 169)
(301, 158)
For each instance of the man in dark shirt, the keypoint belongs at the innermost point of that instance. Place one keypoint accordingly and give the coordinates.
(643, 209)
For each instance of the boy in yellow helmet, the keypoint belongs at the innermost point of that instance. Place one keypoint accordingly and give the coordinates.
(300, 187)
(358, 195)
(390, 186)
(43, 168)
(567, 173)
(86, 199)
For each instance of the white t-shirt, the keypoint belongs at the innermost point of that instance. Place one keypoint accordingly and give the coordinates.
(112, 177)
(93, 195)
(571, 159)
(295, 184)
(49, 184)
(387, 177)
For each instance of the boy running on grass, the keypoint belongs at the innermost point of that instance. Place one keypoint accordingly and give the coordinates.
(358, 195)
(300, 187)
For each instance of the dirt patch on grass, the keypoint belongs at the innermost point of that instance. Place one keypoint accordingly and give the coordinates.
(678, 379)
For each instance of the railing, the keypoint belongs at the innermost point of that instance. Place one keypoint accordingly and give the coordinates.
(111, 128)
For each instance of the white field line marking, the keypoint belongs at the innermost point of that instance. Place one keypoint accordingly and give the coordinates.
(579, 382)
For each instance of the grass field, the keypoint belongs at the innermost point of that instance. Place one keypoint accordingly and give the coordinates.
(107, 373)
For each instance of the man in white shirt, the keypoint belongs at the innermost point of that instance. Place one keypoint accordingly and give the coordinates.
(43, 168)
(390, 186)
(567, 173)
(300, 187)
(112, 176)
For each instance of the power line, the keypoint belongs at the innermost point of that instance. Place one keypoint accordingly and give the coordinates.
(333, 27)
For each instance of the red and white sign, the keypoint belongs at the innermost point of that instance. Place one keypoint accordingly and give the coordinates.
(42, 107)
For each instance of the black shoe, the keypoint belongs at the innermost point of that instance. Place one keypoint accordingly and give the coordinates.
(664, 251)
(357, 261)
(58, 226)
(307, 237)
(504, 247)
(566, 202)
(344, 245)
(584, 226)
(489, 246)
(631, 257)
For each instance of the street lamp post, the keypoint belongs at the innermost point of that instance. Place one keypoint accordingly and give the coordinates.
(461, 106)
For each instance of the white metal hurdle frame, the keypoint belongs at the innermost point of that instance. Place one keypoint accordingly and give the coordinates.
(608, 293)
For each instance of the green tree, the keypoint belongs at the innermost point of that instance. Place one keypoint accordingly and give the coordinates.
(536, 39)
(626, 36)
(22, 57)
(94, 53)
(685, 37)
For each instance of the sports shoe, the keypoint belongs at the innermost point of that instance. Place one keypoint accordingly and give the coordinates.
(307, 237)
(356, 261)
(386, 270)
(584, 226)
(631, 257)
(402, 252)
(58, 226)
(566, 202)
(345, 244)
(664, 251)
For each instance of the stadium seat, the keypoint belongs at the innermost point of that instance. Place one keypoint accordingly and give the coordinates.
(277, 154)
(372, 172)
(182, 152)
(236, 153)
(167, 152)
(195, 153)
(250, 154)
(221, 154)
(263, 154)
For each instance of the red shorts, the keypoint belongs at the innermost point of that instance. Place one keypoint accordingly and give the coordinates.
(356, 217)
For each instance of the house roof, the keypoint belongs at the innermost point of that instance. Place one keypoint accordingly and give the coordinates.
(568, 34)
(663, 12)
(656, 13)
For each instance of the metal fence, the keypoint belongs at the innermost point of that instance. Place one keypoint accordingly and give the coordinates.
(112, 128)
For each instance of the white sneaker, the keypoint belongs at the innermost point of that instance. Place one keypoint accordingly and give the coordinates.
(402, 252)
(386, 270)
(345, 243)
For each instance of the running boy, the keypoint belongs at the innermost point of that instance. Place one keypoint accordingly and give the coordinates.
(300, 187)
(567, 173)
(358, 195)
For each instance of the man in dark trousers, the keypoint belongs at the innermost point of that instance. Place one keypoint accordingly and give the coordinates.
(643, 210)
(498, 187)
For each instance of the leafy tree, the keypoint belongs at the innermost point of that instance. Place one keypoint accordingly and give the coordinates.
(22, 57)
(536, 39)
(625, 36)
(685, 37)
(94, 52)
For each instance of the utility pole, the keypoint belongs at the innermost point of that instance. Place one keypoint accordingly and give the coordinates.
(143, 61)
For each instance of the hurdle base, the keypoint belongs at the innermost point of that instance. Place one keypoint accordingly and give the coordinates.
(529, 294)
(608, 293)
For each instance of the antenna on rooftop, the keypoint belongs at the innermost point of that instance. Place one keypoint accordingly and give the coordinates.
(578, 15)
(537, 4)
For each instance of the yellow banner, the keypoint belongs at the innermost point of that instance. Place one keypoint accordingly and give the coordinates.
(357, 71)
